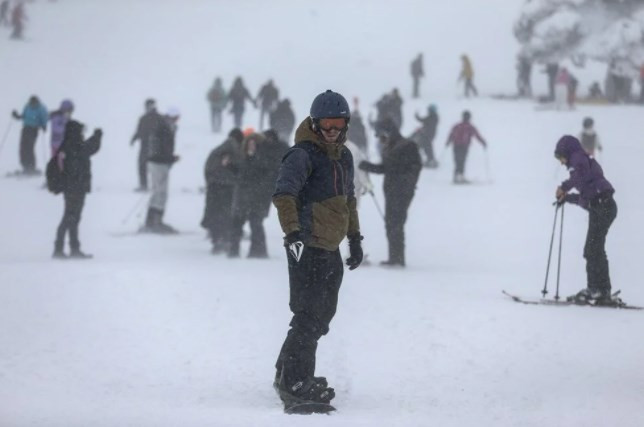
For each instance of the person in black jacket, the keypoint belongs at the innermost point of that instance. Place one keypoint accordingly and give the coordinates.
(237, 98)
(221, 171)
(401, 165)
(77, 179)
(417, 73)
(282, 119)
(427, 134)
(267, 98)
(161, 157)
(148, 123)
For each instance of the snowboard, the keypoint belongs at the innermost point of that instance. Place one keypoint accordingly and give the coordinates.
(307, 408)
(545, 301)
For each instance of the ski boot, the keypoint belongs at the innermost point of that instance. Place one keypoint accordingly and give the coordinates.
(59, 254)
(77, 254)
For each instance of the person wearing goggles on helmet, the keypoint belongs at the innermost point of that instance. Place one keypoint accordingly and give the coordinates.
(316, 206)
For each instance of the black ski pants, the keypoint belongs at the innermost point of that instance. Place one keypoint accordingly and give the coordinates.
(460, 155)
(255, 217)
(218, 215)
(143, 165)
(28, 139)
(427, 144)
(396, 207)
(314, 284)
(416, 87)
(602, 212)
(74, 203)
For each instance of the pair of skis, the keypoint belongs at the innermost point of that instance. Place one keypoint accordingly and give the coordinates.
(555, 302)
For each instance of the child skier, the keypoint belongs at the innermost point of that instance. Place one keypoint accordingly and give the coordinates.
(595, 194)
(588, 137)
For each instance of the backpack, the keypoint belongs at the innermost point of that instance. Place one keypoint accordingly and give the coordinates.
(54, 175)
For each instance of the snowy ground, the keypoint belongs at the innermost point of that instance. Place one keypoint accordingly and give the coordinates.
(155, 331)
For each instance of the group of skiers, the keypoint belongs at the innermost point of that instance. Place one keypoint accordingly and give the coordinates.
(466, 75)
(279, 112)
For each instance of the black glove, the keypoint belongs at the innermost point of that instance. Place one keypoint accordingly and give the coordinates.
(15, 114)
(294, 242)
(98, 133)
(355, 251)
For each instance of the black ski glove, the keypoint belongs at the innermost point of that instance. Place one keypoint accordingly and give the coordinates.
(355, 251)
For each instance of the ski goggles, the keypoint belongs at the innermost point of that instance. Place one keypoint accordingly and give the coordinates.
(337, 123)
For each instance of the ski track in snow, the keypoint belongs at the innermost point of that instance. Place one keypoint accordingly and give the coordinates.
(155, 331)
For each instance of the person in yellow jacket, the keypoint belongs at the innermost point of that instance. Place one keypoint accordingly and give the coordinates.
(467, 75)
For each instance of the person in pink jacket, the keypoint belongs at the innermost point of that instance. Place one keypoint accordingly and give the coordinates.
(460, 137)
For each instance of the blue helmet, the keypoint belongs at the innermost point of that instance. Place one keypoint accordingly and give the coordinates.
(328, 105)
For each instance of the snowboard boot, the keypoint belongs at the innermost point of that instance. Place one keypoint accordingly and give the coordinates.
(59, 254)
(306, 391)
(77, 254)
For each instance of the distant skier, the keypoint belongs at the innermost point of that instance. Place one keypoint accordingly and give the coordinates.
(357, 132)
(401, 166)
(217, 100)
(18, 19)
(161, 157)
(34, 117)
(427, 134)
(282, 119)
(595, 194)
(417, 73)
(221, 173)
(77, 179)
(4, 13)
(59, 119)
(267, 98)
(467, 76)
(588, 137)
(461, 137)
(562, 88)
(551, 70)
(148, 125)
(237, 98)
(316, 207)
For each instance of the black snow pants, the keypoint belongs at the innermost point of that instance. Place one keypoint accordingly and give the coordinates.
(602, 212)
(28, 139)
(255, 217)
(460, 155)
(218, 215)
(396, 207)
(314, 284)
(74, 203)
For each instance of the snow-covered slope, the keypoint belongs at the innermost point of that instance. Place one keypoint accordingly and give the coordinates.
(155, 331)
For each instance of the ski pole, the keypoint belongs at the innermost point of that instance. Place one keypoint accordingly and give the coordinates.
(560, 244)
(6, 135)
(375, 201)
(552, 238)
(134, 209)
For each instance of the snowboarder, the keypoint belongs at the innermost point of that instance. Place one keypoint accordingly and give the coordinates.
(75, 153)
(161, 157)
(4, 13)
(316, 208)
(267, 98)
(59, 119)
(357, 132)
(401, 165)
(461, 137)
(588, 137)
(595, 194)
(417, 73)
(282, 119)
(148, 125)
(18, 18)
(221, 172)
(427, 133)
(467, 75)
(237, 98)
(34, 117)
(217, 100)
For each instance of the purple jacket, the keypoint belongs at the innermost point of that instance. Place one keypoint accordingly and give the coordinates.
(58, 121)
(586, 176)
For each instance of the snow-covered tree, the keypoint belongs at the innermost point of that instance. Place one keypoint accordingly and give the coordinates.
(610, 31)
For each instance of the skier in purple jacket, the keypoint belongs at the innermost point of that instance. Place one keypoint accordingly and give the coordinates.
(595, 194)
